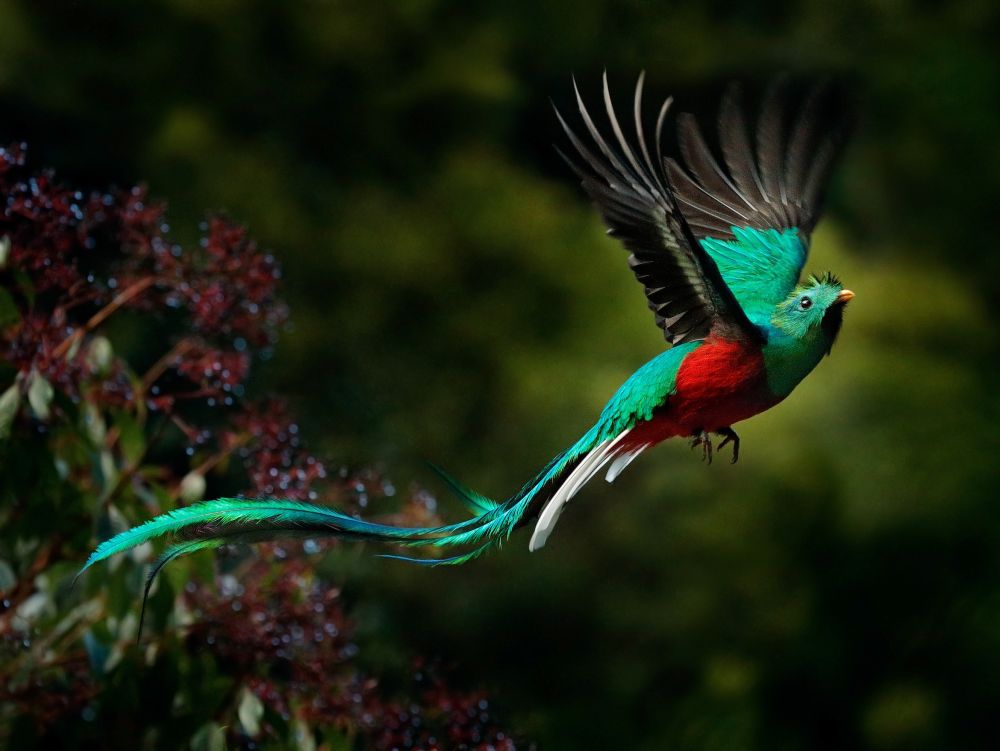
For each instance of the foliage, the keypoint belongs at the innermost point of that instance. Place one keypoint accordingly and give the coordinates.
(93, 442)
(455, 300)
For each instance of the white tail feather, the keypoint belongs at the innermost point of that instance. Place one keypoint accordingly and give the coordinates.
(592, 463)
(622, 461)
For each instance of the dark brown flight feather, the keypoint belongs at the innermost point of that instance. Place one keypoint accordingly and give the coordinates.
(683, 286)
(774, 177)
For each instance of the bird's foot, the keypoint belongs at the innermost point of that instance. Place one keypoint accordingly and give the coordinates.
(729, 436)
(702, 439)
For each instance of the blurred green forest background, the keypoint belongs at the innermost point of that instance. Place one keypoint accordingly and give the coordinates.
(454, 298)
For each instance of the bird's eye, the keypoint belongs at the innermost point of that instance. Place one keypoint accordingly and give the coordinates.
(805, 303)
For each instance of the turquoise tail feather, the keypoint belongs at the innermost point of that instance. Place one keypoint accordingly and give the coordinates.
(213, 523)
(475, 502)
(174, 551)
(227, 516)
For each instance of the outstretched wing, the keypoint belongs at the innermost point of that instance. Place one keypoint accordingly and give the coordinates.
(755, 214)
(683, 285)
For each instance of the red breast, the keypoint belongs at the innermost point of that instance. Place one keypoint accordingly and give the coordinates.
(718, 384)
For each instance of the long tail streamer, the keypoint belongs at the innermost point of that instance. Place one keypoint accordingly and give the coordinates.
(229, 520)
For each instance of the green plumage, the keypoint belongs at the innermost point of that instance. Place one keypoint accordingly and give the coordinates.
(232, 520)
(229, 518)
(718, 250)
(643, 392)
(761, 267)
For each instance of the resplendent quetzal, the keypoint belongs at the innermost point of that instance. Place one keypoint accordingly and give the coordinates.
(718, 249)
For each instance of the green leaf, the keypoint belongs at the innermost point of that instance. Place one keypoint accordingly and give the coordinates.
(8, 309)
(192, 488)
(4, 251)
(105, 471)
(10, 402)
(7, 577)
(250, 711)
(131, 437)
(210, 737)
(304, 738)
(97, 650)
(93, 424)
(100, 354)
(40, 393)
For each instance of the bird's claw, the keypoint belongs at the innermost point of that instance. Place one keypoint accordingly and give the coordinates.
(730, 437)
(702, 439)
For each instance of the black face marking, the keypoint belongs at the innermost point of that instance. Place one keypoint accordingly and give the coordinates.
(833, 319)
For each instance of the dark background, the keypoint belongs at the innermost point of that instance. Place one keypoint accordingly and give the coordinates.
(454, 298)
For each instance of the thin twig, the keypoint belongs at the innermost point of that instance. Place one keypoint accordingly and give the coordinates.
(122, 298)
(161, 365)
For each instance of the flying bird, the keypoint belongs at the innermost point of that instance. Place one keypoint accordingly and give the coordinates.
(719, 249)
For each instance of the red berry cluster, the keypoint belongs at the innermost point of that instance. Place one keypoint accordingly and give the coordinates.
(289, 641)
(276, 462)
(70, 261)
(47, 694)
(217, 372)
(70, 264)
(49, 228)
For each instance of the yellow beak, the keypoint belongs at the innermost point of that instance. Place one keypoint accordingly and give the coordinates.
(845, 296)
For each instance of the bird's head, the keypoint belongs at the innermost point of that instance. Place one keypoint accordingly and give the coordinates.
(815, 310)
